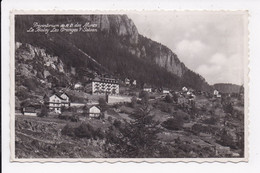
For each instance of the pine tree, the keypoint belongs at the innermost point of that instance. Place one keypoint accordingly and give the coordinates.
(136, 139)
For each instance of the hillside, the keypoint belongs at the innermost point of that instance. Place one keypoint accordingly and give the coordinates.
(227, 88)
(116, 48)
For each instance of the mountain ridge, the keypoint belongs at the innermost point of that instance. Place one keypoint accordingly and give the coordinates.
(116, 46)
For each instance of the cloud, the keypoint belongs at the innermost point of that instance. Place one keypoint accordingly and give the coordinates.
(210, 44)
(221, 68)
(191, 47)
(218, 58)
(209, 70)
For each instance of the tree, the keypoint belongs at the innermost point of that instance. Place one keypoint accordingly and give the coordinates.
(144, 96)
(44, 111)
(168, 98)
(136, 139)
(133, 102)
(102, 103)
(228, 108)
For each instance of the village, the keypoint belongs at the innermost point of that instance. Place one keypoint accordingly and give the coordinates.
(103, 102)
(108, 89)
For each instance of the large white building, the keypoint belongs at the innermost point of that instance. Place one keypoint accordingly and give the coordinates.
(100, 85)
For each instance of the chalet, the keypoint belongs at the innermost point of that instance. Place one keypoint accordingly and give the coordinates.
(192, 99)
(29, 111)
(127, 81)
(101, 85)
(78, 86)
(165, 91)
(58, 100)
(215, 92)
(184, 89)
(134, 82)
(93, 111)
(147, 88)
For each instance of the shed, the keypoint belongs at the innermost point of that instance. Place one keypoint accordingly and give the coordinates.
(29, 111)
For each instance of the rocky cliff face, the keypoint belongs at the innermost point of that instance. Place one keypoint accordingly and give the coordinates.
(117, 46)
(36, 73)
(141, 46)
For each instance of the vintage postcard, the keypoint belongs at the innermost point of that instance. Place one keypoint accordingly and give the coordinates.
(141, 86)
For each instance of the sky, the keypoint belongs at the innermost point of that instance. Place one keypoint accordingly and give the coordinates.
(209, 43)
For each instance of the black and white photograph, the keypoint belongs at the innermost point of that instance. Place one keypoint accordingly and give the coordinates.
(135, 85)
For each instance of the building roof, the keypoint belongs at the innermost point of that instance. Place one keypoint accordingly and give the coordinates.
(104, 80)
(58, 94)
(29, 109)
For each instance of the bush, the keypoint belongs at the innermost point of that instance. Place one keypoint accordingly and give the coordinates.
(74, 118)
(117, 123)
(228, 108)
(165, 108)
(211, 121)
(68, 130)
(227, 140)
(31, 84)
(168, 98)
(143, 94)
(84, 130)
(173, 123)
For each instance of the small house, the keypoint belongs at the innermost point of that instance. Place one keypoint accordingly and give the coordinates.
(215, 92)
(29, 111)
(93, 111)
(78, 86)
(184, 89)
(134, 82)
(147, 88)
(165, 91)
(127, 81)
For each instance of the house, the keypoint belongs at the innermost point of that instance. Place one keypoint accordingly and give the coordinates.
(184, 89)
(78, 86)
(65, 97)
(134, 82)
(215, 92)
(147, 88)
(192, 99)
(165, 91)
(93, 111)
(58, 100)
(102, 85)
(29, 111)
(127, 81)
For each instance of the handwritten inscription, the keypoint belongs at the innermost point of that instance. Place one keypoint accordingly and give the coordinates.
(63, 28)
